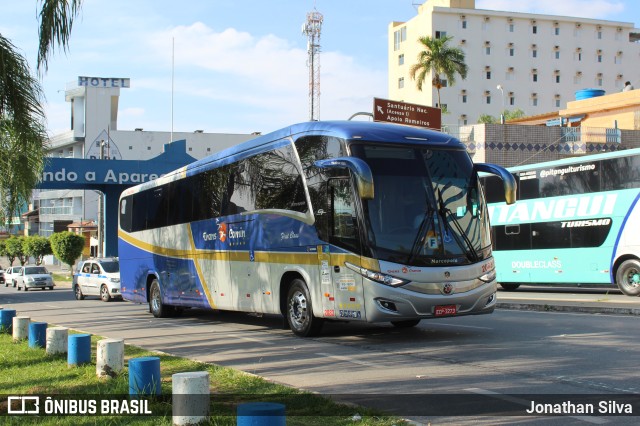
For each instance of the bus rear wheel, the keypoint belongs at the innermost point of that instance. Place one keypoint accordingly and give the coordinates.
(628, 277)
(300, 311)
(156, 307)
(509, 287)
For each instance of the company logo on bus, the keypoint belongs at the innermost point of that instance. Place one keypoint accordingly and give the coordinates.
(447, 288)
(222, 232)
(583, 223)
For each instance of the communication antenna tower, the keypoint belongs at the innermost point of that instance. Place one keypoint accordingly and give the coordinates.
(312, 28)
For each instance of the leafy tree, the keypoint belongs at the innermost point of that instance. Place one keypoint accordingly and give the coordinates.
(436, 60)
(22, 118)
(67, 246)
(3, 248)
(15, 249)
(37, 247)
(508, 115)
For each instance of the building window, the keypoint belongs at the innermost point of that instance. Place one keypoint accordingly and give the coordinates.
(464, 99)
(599, 81)
(557, 78)
(444, 83)
(488, 75)
(208, 149)
(464, 24)
(579, 56)
(511, 28)
(130, 147)
(487, 50)
(401, 83)
(489, 99)
(556, 31)
(618, 59)
(401, 59)
(599, 35)
(512, 51)
(148, 148)
(190, 149)
(599, 57)
(534, 76)
(398, 37)
(558, 103)
(534, 102)
(441, 34)
(512, 100)
(557, 54)
(534, 52)
(577, 79)
(534, 29)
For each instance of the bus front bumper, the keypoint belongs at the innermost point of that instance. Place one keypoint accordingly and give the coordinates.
(385, 303)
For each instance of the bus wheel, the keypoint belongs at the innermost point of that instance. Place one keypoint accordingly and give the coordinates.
(300, 311)
(406, 323)
(509, 287)
(628, 277)
(157, 308)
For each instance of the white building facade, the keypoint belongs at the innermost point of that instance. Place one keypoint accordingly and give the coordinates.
(94, 134)
(531, 62)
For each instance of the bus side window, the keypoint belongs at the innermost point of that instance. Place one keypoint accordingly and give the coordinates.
(343, 220)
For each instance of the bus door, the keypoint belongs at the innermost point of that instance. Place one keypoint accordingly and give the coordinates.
(342, 293)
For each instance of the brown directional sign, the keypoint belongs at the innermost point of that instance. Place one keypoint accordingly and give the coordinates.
(404, 113)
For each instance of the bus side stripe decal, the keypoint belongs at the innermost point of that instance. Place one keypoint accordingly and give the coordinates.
(615, 246)
(196, 264)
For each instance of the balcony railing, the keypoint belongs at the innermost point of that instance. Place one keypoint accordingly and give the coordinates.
(64, 210)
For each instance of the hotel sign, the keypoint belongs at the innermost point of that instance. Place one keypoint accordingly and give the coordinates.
(405, 113)
(107, 82)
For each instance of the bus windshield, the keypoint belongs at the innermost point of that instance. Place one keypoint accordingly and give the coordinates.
(428, 207)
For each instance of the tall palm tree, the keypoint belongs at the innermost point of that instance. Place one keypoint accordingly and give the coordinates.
(22, 119)
(436, 60)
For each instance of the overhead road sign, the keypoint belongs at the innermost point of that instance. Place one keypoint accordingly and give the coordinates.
(405, 113)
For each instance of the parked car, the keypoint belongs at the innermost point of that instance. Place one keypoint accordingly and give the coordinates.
(97, 277)
(34, 277)
(10, 274)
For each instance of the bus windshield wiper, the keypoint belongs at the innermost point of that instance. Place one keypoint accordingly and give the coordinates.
(417, 243)
(446, 213)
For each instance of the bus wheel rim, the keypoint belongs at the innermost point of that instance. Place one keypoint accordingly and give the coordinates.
(298, 309)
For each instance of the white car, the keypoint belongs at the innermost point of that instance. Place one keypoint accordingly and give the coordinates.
(10, 275)
(97, 277)
(34, 277)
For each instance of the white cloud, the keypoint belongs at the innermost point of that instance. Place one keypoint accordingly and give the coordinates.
(596, 9)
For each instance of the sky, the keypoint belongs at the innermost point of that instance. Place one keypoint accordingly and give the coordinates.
(238, 66)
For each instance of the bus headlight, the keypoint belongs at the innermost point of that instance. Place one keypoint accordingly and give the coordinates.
(379, 277)
(488, 277)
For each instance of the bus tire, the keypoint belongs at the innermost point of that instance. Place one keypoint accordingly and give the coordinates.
(628, 277)
(156, 307)
(300, 311)
(509, 287)
(405, 323)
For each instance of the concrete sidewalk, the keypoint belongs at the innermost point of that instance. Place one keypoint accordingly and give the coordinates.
(563, 299)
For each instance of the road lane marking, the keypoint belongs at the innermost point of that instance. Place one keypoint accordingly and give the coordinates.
(527, 403)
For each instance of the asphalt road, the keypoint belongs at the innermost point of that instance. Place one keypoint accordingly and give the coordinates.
(482, 359)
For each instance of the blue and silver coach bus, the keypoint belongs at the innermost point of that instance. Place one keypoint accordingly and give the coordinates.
(319, 221)
(577, 221)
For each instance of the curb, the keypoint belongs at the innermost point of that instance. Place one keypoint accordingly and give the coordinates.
(609, 310)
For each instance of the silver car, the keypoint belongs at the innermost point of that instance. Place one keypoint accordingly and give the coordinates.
(97, 277)
(34, 277)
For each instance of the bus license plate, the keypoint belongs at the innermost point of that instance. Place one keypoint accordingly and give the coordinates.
(444, 310)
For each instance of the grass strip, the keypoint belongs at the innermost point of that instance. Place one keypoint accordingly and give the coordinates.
(30, 371)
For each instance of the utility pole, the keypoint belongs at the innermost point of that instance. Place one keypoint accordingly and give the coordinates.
(101, 211)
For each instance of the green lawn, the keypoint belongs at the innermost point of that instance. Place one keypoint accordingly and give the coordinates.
(28, 371)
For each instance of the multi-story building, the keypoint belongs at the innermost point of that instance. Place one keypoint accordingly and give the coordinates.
(94, 134)
(524, 61)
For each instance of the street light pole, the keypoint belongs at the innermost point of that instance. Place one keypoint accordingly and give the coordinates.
(499, 87)
(100, 210)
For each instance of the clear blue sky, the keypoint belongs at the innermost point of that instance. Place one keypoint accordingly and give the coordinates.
(240, 65)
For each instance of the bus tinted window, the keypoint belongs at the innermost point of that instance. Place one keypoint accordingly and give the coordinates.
(621, 173)
(552, 235)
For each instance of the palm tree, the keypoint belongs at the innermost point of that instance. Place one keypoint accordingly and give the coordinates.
(436, 60)
(22, 119)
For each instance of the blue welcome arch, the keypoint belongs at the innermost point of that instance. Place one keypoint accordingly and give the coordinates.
(111, 177)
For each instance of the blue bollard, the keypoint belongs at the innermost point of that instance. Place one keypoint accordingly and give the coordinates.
(6, 320)
(261, 414)
(144, 376)
(79, 349)
(37, 334)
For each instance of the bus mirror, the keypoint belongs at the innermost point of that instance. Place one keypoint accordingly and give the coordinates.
(358, 167)
(510, 185)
